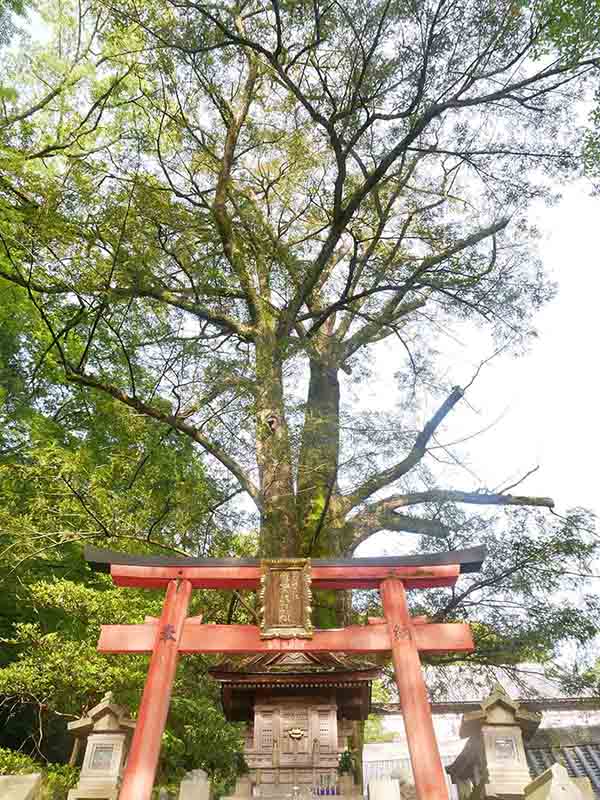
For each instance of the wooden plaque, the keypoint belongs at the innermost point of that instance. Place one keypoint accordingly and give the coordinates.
(285, 599)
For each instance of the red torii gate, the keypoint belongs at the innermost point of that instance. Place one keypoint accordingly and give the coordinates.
(175, 633)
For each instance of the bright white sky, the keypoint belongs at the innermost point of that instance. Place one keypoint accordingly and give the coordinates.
(551, 395)
(545, 403)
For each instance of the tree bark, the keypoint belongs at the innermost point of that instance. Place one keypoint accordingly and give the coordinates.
(279, 529)
(318, 460)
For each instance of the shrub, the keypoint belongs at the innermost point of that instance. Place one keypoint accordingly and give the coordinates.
(57, 779)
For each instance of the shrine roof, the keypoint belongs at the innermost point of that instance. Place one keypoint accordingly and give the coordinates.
(271, 667)
(469, 560)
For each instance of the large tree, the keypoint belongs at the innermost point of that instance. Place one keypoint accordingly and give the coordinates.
(220, 211)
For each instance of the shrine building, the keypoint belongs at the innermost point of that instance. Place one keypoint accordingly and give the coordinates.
(299, 710)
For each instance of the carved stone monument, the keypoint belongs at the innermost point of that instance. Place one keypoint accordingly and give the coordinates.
(493, 760)
(108, 729)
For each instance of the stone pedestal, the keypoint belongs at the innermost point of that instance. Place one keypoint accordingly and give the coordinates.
(21, 787)
(347, 785)
(504, 769)
(555, 784)
(407, 785)
(108, 730)
(195, 786)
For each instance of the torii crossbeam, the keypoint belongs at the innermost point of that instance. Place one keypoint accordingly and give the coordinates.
(285, 586)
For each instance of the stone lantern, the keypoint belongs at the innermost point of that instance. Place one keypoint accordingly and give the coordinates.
(108, 730)
(493, 762)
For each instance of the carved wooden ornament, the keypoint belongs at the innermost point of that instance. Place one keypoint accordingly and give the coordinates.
(285, 599)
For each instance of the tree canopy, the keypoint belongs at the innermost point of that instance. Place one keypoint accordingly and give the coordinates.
(205, 205)
(212, 217)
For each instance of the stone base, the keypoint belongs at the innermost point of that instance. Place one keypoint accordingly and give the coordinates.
(280, 791)
(384, 789)
(94, 793)
(195, 786)
(294, 776)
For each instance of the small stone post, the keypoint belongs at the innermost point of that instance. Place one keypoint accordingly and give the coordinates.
(384, 789)
(108, 730)
(493, 759)
(21, 787)
(195, 786)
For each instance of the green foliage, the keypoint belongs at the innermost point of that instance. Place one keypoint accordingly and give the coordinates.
(56, 672)
(201, 738)
(373, 729)
(8, 8)
(375, 732)
(346, 763)
(75, 469)
(57, 779)
(571, 28)
(12, 763)
(571, 25)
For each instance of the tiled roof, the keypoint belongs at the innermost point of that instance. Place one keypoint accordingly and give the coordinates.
(322, 664)
(576, 747)
(581, 762)
(537, 704)
(527, 681)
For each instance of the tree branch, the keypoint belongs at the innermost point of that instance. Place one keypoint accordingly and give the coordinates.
(222, 218)
(366, 524)
(457, 496)
(175, 422)
(381, 514)
(221, 321)
(391, 474)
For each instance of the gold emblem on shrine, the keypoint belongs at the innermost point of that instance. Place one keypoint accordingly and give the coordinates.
(296, 733)
(285, 599)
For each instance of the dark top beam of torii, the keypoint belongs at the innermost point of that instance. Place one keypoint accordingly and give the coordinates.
(417, 571)
(285, 592)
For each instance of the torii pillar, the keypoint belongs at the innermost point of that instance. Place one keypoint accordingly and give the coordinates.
(429, 774)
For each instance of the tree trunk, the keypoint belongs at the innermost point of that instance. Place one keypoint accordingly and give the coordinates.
(279, 529)
(320, 521)
(318, 460)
